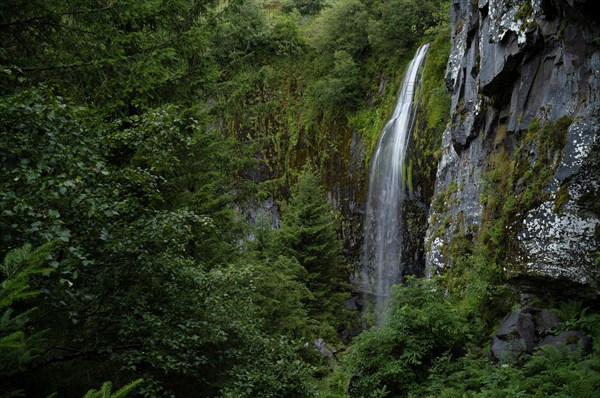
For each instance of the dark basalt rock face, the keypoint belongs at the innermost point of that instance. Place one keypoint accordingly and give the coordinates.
(526, 329)
(515, 63)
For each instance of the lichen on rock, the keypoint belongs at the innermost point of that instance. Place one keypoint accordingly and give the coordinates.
(521, 73)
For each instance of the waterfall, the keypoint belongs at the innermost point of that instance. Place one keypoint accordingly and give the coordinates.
(383, 230)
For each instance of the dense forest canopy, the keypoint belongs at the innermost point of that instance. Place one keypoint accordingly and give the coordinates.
(136, 137)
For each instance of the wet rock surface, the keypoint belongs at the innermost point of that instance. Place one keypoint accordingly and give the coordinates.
(515, 63)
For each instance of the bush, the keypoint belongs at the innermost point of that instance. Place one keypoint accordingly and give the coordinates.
(422, 327)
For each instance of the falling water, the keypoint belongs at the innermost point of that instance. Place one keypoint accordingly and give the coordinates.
(383, 231)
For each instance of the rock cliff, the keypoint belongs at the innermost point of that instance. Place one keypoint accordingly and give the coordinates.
(521, 154)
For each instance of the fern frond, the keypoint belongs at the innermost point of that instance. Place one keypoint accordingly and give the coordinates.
(106, 390)
(122, 392)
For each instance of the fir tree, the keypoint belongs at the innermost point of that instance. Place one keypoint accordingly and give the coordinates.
(308, 234)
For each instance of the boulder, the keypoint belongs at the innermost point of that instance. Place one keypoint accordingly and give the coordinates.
(352, 304)
(521, 332)
(515, 336)
(545, 322)
(573, 339)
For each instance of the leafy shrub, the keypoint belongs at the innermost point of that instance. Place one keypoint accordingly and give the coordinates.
(422, 327)
(275, 372)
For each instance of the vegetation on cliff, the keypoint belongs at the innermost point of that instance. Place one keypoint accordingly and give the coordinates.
(133, 136)
(137, 141)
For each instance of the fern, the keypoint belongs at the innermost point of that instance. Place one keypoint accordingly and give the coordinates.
(17, 348)
(106, 390)
(551, 357)
(574, 316)
(18, 265)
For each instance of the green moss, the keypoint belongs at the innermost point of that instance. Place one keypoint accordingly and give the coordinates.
(525, 11)
(409, 180)
(562, 28)
(562, 196)
(555, 134)
(370, 120)
(534, 125)
(501, 133)
(443, 198)
(513, 184)
(520, 118)
(448, 221)
(424, 147)
(590, 201)
(436, 96)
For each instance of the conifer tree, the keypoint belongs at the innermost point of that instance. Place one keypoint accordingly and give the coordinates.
(308, 234)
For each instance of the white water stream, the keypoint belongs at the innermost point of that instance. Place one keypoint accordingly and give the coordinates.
(383, 229)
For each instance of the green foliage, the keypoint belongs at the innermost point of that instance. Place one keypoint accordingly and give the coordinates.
(241, 33)
(422, 327)
(525, 11)
(399, 24)
(414, 357)
(48, 156)
(106, 390)
(551, 372)
(343, 27)
(338, 91)
(137, 205)
(274, 371)
(336, 384)
(128, 130)
(513, 184)
(16, 269)
(574, 316)
(119, 55)
(308, 234)
(280, 289)
(303, 6)
(435, 101)
(280, 295)
(286, 36)
(18, 346)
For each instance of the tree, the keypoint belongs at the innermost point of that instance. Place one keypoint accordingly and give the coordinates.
(339, 91)
(286, 36)
(241, 35)
(399, 24)
(304, 6)
(308, 234)
(343, 27)
(138, 208)
(274, 369)
(121, 54)
(106, 390)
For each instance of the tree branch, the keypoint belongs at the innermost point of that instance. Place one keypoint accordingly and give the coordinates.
(42, 17)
